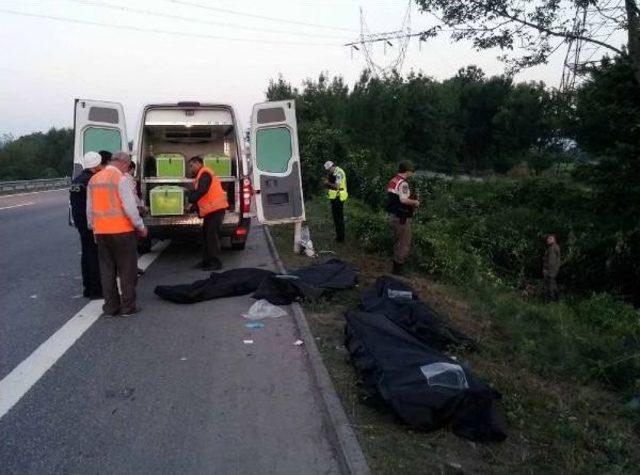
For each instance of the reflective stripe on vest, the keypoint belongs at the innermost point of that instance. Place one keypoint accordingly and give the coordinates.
(394, 184)
(342, 191)
(106, 206)
(215, 198)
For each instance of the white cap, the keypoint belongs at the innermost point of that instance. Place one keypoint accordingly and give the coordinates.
(328, 165)
(91, 160)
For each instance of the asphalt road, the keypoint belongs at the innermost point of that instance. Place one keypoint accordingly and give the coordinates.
(39, 272)
(173, 390)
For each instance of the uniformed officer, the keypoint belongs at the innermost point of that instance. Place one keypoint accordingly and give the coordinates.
(550, 268)
(336, 184)
(400, 206)
(78, 199)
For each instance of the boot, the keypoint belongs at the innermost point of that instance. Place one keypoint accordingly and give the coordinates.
(397, 268)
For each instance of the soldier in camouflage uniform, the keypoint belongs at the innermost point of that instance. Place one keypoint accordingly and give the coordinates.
(550, 268)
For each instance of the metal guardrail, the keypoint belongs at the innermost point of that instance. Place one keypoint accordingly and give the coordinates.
(9, 187)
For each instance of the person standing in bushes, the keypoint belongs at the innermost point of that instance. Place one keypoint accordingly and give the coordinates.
(336, 184)
(400, 206)
(550, 268)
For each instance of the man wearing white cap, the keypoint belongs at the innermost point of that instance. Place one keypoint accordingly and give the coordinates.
(78, 200)
(336, 184)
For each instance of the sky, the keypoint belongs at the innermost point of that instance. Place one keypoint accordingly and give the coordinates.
(138, 52)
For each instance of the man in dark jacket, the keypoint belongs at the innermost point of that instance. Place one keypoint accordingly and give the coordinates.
(550, 268)
(91, 164)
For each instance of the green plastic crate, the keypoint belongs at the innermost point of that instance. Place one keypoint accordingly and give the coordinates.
(219, 164)
(167, 200)
(170, 165)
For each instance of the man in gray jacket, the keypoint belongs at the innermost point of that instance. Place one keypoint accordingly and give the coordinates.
(113, 215)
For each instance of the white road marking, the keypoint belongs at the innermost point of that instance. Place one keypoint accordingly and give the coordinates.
(33, 192)
(18, 206)
(16, 384)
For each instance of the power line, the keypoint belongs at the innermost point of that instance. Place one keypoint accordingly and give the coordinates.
(598, 48)
(196, 20)
(158, 31)
(252, 15)
(403, 35)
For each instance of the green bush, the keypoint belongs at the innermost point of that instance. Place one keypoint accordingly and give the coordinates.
(489, 252)
(37, 155)
(596, 339)
(371, 228)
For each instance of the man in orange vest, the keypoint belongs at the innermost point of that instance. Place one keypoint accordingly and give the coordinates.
(113, 215)
(211, 201)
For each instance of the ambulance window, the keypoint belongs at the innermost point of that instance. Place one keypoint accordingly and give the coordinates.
(99, 138)
(103, 114)
(275, 114)
(273, 149)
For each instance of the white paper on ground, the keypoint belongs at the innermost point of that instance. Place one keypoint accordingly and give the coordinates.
(264, 309)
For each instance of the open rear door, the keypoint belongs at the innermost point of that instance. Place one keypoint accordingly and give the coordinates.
(98, 125)
(276, 163)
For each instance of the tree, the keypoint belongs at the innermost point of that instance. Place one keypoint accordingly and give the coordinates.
(280, 90)
(6, 138)
(37, 155)
(480, 100)
(607, 111)
(536, 26)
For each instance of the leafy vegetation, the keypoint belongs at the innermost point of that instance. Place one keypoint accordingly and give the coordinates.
(473, 124)
(592, 338)
(530, 32)
(549, 361)
(469, 123)
(37, 155)
(485, 236)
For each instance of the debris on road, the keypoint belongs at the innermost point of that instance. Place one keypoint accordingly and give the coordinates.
(123, 393)
(298, 343)
(255, 325)
(248, 342)
(263, 309)
(34, 296)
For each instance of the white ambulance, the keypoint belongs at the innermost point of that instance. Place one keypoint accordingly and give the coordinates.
(171, 133)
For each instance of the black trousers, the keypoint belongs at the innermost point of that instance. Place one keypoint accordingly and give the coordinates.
(211, 236)
(118, 256)
(89, 263)
(337, 210)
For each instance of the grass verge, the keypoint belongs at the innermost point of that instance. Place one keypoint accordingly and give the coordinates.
(556, 424)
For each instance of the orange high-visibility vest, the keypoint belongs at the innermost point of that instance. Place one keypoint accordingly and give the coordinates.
(106, 205)
(215, 198)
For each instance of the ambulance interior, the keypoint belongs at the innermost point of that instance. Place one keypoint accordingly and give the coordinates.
(170, 137)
